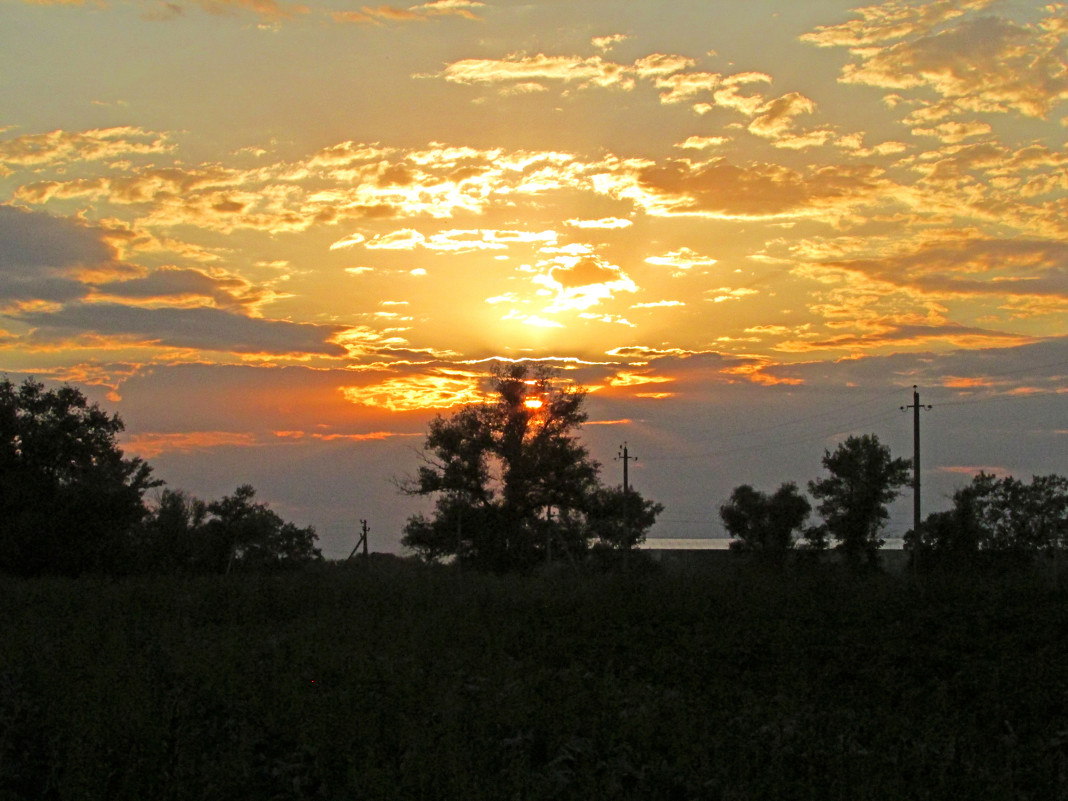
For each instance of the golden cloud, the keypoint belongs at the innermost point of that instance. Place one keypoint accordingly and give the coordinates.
(608, 42)
(591, 71)
(582, 282)
(977, 63)
(605, 223)
(891, 20)
(702, 142)
(62, 147)
(441, 389)
(684, 86)
(626, 378)
(717, 188)
(776, 117)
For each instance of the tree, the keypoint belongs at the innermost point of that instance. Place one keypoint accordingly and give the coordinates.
(999, 515)
(863, 480)
(620, 518)
(513, 484)
(251, 536)
(184, 534)
(68, 496)
(171, 538)
(763, 524)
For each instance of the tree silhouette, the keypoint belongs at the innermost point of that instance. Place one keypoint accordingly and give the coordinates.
(999, 515)
(620, 518)
(184, 534)
(863, 480)
(763, 524)
(68, 496)
(513, 484)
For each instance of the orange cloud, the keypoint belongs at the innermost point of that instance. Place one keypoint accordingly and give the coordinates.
(626, 378)
(372, 436)
(149, 445)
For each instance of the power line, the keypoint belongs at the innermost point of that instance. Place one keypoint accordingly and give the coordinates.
(999, 398)
(880, 416)
(872, 398)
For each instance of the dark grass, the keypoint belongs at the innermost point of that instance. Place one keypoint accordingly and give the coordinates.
(397, 682)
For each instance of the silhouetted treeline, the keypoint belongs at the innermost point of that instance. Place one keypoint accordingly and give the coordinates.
(862, 480)
(996, 518)
(993, 520)
(72, 503)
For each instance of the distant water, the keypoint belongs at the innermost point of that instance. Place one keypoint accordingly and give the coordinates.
(722, 544)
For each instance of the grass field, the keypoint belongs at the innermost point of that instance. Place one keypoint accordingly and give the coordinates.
(396, 682)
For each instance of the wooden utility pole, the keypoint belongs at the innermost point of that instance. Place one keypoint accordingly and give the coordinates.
(626, 457)
(916, 406)
(362, 540)
(624, 454)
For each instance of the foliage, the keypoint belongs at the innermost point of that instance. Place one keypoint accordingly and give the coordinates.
(764, 524)
(184, 534)
(420, 682)
(68, 496)
(863, 479)
(999, 515)
(619, 518)
(513, 484)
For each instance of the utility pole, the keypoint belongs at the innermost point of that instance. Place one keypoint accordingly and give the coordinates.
(624, 454)
(362, 540)
(916, 406)
(626, 457)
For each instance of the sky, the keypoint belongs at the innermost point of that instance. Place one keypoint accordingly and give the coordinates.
(278, 238)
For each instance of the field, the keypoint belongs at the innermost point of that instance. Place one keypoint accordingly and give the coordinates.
(391, 681)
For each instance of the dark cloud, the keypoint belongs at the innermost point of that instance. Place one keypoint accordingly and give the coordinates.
(985, 266)
(177, 283)
(201, 328)
(31, 239)
(1041, 364)
(40, 255)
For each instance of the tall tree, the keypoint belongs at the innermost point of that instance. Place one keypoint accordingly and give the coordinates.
(68, 496)
(863, 479)
(765, 524)
(513, 484)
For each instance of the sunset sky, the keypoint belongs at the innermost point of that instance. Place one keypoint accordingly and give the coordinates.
(278, 238)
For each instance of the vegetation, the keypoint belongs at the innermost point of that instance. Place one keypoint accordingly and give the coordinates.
(863, 479)
(67, 494)
(185, 535)
(72, 503)
(513, 484)
(765, 524)
(396, 680)
(1000, 516)
(393, 678)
